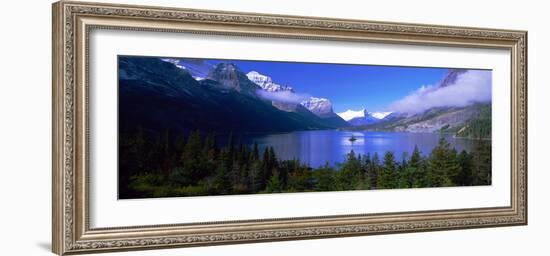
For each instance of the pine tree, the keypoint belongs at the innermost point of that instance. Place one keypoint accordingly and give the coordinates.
(365, 170)
(283, 174)
(387, 177)
(465, 178)
(274, 184)
(235, 176)
(373, 171)
(241, 166)
(272, 158)
(417, 168)
(482, 162)
(209, 143)
(209, 154)
(137, 150)
(222, 182)
(167, 160)
(230, 142)
(155, 152)
(325, 178)
(179, 145)
(132, 159)
(454, 166)
(256, 177)
(255, 152)
(443, 165)
(266, 165)
(416, 157)
(350, 176)
(298, 179)
(191, 158)
(405, 173)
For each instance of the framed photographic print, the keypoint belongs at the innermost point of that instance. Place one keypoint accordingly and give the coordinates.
(179, 127)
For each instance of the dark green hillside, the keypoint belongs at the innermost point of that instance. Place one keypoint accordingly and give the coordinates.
(478, 127)
(156, 95)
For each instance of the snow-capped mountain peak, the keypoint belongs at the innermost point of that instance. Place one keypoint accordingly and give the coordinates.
(266, 83)
(258, 78)
(319, 106)
(362, 117)
(351, 114)
(379, 115)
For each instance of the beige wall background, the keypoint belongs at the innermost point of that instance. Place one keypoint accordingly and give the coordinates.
(25, 149)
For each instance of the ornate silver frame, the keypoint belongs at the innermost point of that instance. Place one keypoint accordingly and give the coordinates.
(72, 22)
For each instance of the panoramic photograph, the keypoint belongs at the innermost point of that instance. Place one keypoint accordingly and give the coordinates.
(207, 127)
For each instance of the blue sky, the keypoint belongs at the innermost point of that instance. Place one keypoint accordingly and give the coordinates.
(347, 86)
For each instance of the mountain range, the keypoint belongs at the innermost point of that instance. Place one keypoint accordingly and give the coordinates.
(158, 94)
(456, 120)
(185, 94)
(470, 120)
(284, 98)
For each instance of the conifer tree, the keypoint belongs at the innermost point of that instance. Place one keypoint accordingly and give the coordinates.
(209, 155)
(373, 171)
(325, 178)
(255, 152)
(443, 165)
(416, 157)
(465, 178)
(166, 157)
(350, 172)
(272, 158)
(365, 170)
(256, 176)
(137, 150)
(387, 176)
(405, 173)
(274, 184)
(418, 169)
(222, 182)
(482, 162)
(191, 157)
(266, 165)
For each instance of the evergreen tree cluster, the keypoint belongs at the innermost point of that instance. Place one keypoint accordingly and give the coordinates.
(479, 127)
(169, 166)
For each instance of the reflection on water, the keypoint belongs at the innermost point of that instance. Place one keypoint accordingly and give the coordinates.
(318, 147)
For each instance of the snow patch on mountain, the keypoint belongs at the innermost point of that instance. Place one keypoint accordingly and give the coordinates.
(379, 115)
(277, 93)
(197, 68)
(362, 117)
(266, 83)
(319, 106)
(351, 114)
(176, 62)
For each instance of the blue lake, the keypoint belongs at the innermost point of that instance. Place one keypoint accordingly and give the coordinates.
(317, 147)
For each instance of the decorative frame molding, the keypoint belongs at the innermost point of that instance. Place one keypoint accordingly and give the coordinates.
(72, 22)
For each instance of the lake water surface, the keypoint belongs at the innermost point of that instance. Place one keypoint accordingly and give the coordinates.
(317, 147)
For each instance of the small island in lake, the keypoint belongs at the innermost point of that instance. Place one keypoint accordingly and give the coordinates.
(202, 127)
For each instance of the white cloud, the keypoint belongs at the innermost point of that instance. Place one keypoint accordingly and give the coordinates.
(469, 87)
(283, 96)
